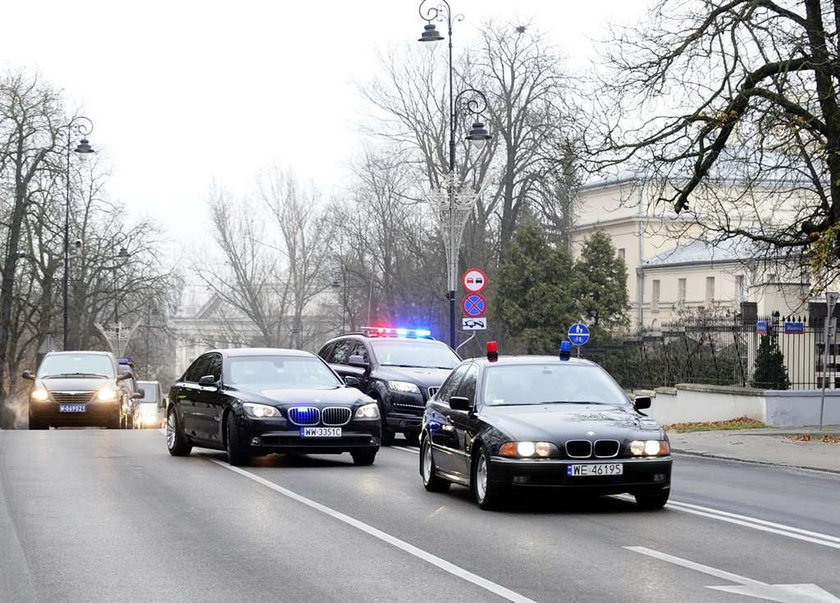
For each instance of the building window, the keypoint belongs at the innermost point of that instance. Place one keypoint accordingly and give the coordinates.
(654, 304)
(710, 290)
(621, 252)
(681, 291)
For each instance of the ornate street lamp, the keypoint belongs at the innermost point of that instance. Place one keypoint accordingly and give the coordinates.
(452, 205)
(81, 126)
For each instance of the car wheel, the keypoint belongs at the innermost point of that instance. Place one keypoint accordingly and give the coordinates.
(412, 438)
(431, 481)
(364, 457)
(652, 500)
(387, 434)
(116, 422)
(488, 495)
(176, 440)
(236, 442)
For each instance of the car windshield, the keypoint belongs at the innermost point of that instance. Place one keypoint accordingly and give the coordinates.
(279, 372)
(518, 384)
(76, 365)
(150, 390)
(422, 354)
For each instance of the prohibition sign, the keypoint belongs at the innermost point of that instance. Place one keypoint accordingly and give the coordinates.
(474, 305)
(474, 280)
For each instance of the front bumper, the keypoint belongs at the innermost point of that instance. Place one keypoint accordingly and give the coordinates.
(404, 412)
(266, 436)
(96, 414)
(640, 474)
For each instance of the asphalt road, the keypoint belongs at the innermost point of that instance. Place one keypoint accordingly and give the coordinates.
(97, 515)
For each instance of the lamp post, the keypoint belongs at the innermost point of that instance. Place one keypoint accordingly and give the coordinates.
(452, 205)
(83, 127)
(335, 284)
(118, 258)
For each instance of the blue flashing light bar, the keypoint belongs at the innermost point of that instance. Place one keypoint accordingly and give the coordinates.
(397, 333)
(565, 350)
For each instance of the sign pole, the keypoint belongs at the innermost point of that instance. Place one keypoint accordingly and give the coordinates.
(830, 301)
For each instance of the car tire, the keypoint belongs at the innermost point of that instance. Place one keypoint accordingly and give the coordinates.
(488, 495)
(364, 457)
(236, 442)
(387, 434)
(116, 422)
(176, 440)
(431, 481)
(412, 438)
(651, 501)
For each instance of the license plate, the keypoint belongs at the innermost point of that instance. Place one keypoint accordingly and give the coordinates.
(320, 432)
(595, 470)
(71, 408)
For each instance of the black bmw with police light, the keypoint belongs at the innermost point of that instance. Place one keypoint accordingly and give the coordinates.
(252, 402)
(503, 424)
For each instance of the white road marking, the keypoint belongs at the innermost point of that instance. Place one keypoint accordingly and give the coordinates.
(446, 566)
(407, 449)
(752, 522)
(786, 593)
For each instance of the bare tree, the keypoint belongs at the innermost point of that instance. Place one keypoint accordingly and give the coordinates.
(729, 110)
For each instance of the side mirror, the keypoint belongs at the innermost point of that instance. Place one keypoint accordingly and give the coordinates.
(123, 376)
(460, 403)
(28, 375)
(142, 392)
(642, 402)
(352, 381)
(207, 380)
(358, 360)
(136, 396)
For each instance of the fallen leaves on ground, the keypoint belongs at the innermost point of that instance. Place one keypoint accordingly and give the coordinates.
(814, 437)
(731, 424)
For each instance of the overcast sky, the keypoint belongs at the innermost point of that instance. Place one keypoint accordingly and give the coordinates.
(185, 93)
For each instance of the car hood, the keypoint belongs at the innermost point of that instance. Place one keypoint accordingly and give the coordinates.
(559, 422)
(74, 384)
(340, 395)
(424, 377)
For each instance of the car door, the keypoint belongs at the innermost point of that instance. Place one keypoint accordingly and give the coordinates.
(204, 413)
(465, 422)
(188, 395)
(339, 360)
(444, 437)
(214, 399)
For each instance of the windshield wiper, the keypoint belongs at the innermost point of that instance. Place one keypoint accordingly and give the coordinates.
(75, 375)
(571, 402)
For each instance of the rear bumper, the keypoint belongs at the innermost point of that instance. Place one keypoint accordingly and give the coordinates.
(96, 414)
(639, 475)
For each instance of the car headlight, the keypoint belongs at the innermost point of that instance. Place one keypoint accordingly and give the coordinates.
(107, 394)
(368, 411)
(260, 411)
(39, 394)
(650, 448)
(404, 387)
(528, 450)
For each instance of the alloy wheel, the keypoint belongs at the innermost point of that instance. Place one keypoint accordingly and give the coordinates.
(481, 477)
(170, 430)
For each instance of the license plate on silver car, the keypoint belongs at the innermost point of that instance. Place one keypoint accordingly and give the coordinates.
(71, 408)
(320, 432)
(600, 469)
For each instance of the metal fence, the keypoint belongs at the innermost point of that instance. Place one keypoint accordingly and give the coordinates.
(719, 351)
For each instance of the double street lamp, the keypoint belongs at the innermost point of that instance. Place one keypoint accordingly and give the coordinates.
(81, 126)
(453, 205)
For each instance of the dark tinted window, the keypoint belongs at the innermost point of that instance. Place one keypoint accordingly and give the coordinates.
(341, 351)
(197, 369)
(215, 366)
(326, 351)
(450, 386)
(466, 388)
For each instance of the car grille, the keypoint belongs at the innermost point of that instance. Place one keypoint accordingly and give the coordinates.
(336, 416)
(606, 449)
(72, 397)
(579, 449)
(304, 415)
(419, 405)
(433, 391)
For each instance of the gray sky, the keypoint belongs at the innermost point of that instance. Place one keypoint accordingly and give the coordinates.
(185, 93)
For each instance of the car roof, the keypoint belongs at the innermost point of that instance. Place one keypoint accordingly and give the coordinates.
(91, 352)
(231, 352)
(526, 360)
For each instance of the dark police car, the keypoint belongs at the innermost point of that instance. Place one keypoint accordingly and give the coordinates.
(541, 421)
(399, 368)
(257, 401)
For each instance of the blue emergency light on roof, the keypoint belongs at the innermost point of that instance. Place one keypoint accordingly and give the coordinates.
(398, 333)
(565, 350)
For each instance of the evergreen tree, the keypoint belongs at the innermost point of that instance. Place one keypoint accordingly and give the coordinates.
(601, 285)
(770, 371)
(534, 301)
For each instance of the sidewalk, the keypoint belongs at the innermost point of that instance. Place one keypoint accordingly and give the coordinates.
(768, 446)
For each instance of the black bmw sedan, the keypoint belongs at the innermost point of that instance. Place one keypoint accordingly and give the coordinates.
(252, 402)
(506, 424)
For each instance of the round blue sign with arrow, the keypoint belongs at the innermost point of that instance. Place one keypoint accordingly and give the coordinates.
(579, 334)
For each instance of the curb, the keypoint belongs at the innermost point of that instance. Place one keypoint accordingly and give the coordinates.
(709, 455)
